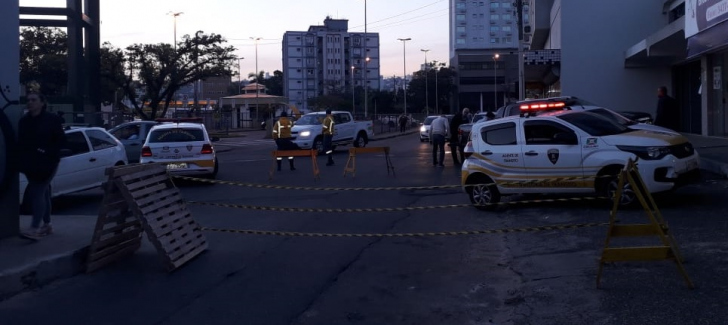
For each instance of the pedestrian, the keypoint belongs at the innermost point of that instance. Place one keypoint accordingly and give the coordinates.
(455, 145)
(40, 139)
(467, 117)
(282, 136)
(438, 133)
(328, 131)
(402, 123)
(668, 111)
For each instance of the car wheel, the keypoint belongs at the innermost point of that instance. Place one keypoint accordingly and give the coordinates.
(608, 188)
(361, 140)
(482, 193)
(214, 171)
(318, 144)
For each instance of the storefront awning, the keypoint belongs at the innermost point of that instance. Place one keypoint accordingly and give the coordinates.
(664, 48)
(713, 38)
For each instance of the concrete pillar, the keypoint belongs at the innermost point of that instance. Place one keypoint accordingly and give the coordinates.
(9, 58)
(706, 77)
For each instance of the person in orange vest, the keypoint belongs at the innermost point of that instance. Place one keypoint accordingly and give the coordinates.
(328, 131)
(282, 136)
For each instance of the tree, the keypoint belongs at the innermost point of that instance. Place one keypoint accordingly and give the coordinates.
(417, 92)
(162, 71)
(274, 84)
(112, 74)
(44, 59)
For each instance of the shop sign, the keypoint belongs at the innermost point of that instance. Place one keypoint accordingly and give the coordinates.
(703, 14)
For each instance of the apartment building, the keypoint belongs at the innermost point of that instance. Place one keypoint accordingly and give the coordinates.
(480, 29)
(328, 59)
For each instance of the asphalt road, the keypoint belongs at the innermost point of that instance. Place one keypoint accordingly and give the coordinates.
(545, 277)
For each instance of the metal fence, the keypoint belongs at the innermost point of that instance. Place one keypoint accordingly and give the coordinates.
(384, 123)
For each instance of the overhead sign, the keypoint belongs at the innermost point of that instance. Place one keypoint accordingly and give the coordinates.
(703, 14)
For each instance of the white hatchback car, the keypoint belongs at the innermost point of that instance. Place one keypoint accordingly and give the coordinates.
(88, 152)
(185, 148)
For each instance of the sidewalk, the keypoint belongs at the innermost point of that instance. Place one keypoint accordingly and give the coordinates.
(713, 153)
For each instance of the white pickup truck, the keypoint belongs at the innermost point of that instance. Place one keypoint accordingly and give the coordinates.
(307, 131)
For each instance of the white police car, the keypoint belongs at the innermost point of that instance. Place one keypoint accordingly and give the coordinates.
(557, 143)
(185, 148)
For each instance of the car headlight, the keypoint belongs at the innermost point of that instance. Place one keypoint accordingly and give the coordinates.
(305, 134)
(422, 128)
(647, 153)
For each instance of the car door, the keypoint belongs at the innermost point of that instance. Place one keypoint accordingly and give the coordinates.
(102, 155)
(552, 150)
(500, 151)
(343, 128)
(73, 170)
(132, 136)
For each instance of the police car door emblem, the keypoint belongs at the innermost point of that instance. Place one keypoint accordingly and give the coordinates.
(189, 147)
(553, 155)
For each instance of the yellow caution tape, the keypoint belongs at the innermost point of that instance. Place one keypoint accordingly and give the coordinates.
(414, 234)
(350, 210)
(401, 188)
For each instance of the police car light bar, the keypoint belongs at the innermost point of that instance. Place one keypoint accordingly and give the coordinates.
(541, 106)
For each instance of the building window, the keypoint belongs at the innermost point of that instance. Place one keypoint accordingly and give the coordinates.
(475, 15)
(481, 3)
(475, 39)
(461, 29)
(494, 40)
(507, 17)
(460, 5)
(506, 28)
(494, 17)
(494, 4)
(494, 28)
(507, 39)
(460, 41)
(458, 17)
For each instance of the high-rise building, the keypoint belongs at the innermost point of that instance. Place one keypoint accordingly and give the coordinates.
(320, 61)
(478, 31)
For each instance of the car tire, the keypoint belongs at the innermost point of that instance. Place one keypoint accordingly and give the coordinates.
(607, 187)
(214, 171)
(361, 140)
(483, 196)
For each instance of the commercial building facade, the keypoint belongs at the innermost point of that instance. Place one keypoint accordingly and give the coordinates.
(328, 59)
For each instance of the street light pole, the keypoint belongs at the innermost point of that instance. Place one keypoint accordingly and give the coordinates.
(495, 82)
(257, 81)
(353, 106)
(175, 15)
(427, 85)
(437, 99)
(240, 81)
(366, 61)
(404, 66)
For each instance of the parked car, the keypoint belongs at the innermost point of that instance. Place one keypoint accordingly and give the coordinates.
(307, 131)
(425, 126)
(132, 135)
(572, 103)
(88, 152)
(186, 148)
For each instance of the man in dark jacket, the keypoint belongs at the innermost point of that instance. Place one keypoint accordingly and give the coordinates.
(455, 145)
(668, 112)
(40, 139)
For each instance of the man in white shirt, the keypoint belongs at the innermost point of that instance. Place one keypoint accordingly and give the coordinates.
(439, 130)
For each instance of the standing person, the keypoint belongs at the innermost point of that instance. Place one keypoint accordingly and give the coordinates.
(40, 139)
(455, 145)
(282, 136)
(402, 123)
(328, 130)
(467, 117)
(668, 112)
(438, 132)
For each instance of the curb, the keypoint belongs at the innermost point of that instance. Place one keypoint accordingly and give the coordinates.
(714, 166)
(36, 275)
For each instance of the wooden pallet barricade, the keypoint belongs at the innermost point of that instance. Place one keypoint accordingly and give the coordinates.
(295, 153)
(656, 227)
(351, 162)
(142, 198)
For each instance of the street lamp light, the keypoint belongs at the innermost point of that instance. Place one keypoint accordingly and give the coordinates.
(427, 84)
(404, 66)
(495, 82)
(257, 81)
(175, 15)
(240, 72)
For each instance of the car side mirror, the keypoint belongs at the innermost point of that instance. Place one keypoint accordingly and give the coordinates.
(565, 138)
(66, 153)
(215, 139)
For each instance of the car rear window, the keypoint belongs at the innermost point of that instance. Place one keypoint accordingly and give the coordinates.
(594, 124)
(429, 120)
(176, 135)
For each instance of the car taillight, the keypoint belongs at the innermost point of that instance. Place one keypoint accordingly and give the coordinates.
(146, 152)
(206, 149)
(468, 150)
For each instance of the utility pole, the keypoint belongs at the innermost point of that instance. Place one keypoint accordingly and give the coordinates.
(521, 82)
(427, 84)
(257, 75)
(437, 99)
(404, 66)
(495, 82)
(240, 81)
(366, 61)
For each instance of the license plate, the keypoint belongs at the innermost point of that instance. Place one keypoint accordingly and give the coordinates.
(177, 166)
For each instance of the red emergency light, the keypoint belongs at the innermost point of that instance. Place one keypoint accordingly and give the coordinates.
(542, 106)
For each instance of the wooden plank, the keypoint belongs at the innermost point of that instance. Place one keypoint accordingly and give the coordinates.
(192, 254)
(174, 211)
(132, 178)
(146, 182)
(129, 250)
(634, 230)
(154, 206)
(649, 253)
(118, 239)
(119, 171)
(164, 194)
(188, 246)
(113, 249)
(120, 218)
(292, 153)
(130, 224)
(179, 232)
(163, 227)
(149, 190)
(369, 150)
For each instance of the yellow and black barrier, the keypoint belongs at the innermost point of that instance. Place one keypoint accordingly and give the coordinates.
(351, 162)
(360, 210)
(411, 234)
(394, 188)
(295, 153)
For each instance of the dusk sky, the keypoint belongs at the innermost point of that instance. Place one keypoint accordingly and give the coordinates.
(136, 21)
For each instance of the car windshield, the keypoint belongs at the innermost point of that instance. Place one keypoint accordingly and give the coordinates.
(478, 117)
(176, 135)
(594, 123)
(613, 116)
(429, 120)
(313, 119)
